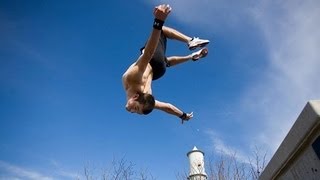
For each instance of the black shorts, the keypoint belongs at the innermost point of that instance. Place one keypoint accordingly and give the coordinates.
(159, 60)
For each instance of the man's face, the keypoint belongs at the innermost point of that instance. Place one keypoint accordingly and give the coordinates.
(134, 106)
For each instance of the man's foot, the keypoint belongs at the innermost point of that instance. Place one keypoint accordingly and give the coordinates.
(199, 54)
(197, 42)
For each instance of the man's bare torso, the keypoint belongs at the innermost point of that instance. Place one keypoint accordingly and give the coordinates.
(136, 81)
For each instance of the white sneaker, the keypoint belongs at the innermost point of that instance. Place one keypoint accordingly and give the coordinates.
(199, 54)
(197, 42)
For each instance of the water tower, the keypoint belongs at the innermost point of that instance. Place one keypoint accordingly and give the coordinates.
(196, 160)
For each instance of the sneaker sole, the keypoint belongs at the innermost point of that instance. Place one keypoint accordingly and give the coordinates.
(201, 55)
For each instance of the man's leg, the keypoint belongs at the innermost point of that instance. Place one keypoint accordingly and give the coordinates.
(174, 34)
(174, 60)
(192, 42)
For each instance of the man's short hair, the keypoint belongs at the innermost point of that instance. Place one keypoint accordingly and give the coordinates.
(148, 102)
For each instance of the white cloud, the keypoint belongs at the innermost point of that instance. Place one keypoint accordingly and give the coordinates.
(209, 15)
(291, 79)
(220, 147)
(59, 171)
(68, 175)
(291, 33)
(16, 172)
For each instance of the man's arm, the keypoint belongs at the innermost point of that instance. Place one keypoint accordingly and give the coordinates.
(160, 13)
(171, 109)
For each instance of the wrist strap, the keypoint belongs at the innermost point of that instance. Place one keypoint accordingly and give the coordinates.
(183, 116)
(157, 24)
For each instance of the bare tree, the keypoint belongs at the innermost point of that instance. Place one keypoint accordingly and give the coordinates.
(88, 172)
(222, 167)
(231, 167)
(226, 167)
(144, 174)
(258, 164)
(121, 169)
(182, 176)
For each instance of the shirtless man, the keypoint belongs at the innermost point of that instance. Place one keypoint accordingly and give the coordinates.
(152, 63)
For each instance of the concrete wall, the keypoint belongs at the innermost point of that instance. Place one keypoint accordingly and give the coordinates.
(296, 157)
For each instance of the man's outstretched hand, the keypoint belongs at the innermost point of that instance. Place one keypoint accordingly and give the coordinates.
(188, 116)
(161, 12)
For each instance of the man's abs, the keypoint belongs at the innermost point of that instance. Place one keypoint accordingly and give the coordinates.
(134, 80)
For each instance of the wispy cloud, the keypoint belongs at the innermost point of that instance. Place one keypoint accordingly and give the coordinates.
(291, 79)
(289, 29)
(208, 15)
(12, 171)
(220, 147)
(16, 172)
(61, 172)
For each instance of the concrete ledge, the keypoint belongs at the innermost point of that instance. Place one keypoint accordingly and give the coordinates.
(301, 135)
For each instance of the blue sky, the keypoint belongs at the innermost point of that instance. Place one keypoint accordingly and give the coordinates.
(62, 101)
